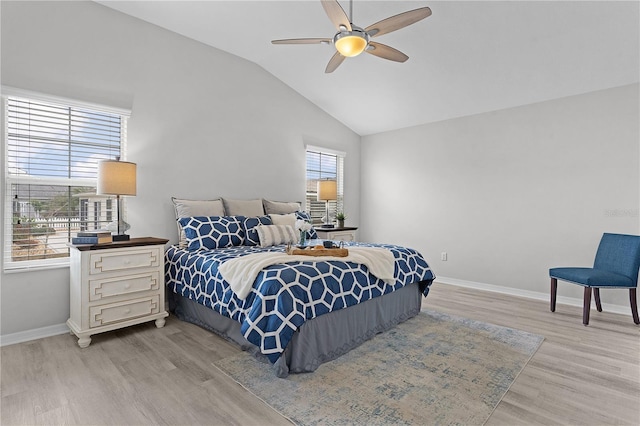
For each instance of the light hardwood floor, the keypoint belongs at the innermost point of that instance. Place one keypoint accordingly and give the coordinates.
(143, 375)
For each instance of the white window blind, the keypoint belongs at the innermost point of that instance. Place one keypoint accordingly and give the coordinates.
(323, 165)
(51, 155)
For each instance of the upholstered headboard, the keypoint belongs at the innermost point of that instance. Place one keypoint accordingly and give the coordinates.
(229, 207)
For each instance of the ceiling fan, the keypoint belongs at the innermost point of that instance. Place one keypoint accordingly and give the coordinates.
(351, 40)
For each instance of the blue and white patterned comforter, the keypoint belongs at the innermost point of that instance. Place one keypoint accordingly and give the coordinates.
(284, 296)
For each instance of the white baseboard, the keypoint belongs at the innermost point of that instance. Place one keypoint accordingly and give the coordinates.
(54, 330)
(36, 333)
(616, 309)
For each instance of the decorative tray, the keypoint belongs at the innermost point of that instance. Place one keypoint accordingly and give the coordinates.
(318, 251)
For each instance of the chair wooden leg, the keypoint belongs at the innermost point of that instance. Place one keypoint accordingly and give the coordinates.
(587, 305)
(596, 295)
(554, 290)
(634, 305)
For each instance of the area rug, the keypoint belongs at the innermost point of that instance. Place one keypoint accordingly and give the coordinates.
(432, 369)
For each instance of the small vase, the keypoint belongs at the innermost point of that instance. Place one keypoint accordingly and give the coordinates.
(340, 223)
(303, 238)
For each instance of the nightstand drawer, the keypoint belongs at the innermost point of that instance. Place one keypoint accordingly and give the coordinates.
(111, 260)
(337, 234)
(122, 311)
(116, 286)
(343, 236)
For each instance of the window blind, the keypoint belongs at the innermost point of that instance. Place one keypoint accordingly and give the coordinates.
(323, 165)
(51, 154)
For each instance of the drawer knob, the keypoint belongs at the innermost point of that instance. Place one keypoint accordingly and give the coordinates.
(127, 286)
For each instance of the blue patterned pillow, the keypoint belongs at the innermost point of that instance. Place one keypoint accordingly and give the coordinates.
(249, 225)
(311, 234)
(212, 232)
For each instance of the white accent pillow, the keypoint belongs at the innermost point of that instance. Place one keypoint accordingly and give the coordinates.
(284, 219)
(193, 208)
(273, 235)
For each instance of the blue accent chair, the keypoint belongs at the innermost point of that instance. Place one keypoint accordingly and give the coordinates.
(616, 266)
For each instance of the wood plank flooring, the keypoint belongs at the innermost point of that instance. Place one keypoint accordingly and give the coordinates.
(579, 375)
(143, 375)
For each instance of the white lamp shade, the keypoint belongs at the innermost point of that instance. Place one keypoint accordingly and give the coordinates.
(327, 190)
(116, 178)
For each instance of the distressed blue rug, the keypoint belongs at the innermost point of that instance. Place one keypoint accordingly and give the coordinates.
(432, 369)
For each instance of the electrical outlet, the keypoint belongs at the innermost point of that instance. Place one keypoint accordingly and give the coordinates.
(443, 256)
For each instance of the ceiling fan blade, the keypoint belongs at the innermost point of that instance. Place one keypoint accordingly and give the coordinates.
(396, 22)
(336, 14)
(302, 41)
(334, 62)
(386, 52)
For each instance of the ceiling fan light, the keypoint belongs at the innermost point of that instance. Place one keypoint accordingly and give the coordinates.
(350, 44)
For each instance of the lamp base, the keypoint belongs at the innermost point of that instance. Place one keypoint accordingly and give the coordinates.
(120, 237)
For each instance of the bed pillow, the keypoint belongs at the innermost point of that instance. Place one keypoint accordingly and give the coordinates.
(249, 224)
(212, 232)
(279, 207)
(272, 235)
(247, 208)
(284, 219)
(311, 233)
(193, 208)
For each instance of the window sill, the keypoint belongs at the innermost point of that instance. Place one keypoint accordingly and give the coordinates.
(15, 269)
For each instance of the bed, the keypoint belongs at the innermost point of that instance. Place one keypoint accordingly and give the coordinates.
(297, 312)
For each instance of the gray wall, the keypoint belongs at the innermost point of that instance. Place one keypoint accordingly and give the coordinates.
(204, 124)
(509, 194)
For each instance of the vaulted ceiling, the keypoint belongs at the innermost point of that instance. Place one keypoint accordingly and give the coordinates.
(467, 58)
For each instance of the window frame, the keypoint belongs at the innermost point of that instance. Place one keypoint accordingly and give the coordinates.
(8, 264)
(310, 195)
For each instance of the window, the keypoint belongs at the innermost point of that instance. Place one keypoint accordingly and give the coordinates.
(324, 164)
(52, 148)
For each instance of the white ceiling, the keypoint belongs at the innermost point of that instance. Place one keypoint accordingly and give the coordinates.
(467, 58)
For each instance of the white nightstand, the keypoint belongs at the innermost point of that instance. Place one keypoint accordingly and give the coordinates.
(337, 234)
(115, 285)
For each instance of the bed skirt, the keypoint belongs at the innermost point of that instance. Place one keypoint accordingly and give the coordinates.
(320, 339)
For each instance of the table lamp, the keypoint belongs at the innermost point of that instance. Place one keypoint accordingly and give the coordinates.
(117, 178)
(327, 191)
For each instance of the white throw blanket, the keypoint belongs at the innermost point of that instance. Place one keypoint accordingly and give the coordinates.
(241, 272)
